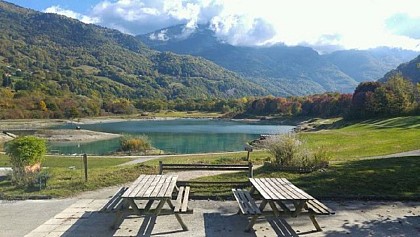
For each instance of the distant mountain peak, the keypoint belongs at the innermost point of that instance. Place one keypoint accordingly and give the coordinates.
(278, 67)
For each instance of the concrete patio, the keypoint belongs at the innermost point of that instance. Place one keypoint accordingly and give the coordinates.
(219, 218)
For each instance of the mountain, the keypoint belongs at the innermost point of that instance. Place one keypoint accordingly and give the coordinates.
(54, 54)
(369, 65)
(282, 70)
(409, 70)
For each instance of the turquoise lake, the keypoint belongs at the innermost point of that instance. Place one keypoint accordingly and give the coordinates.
(175, 136)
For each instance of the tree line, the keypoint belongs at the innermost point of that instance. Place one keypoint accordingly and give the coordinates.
(395, 97)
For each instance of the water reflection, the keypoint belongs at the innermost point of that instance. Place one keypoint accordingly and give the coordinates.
(175, 136)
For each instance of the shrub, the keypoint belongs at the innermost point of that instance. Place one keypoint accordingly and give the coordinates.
(289, 151)
(135, 144)
(26, 154)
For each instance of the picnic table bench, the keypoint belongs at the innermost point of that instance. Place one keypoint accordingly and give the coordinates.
(116, 202)
(283, 197)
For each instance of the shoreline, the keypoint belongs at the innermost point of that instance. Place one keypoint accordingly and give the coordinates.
(43, 128)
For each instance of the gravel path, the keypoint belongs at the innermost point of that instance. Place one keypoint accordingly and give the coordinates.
(402, 154)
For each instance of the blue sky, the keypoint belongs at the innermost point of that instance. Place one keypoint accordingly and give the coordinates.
(333, 24)
(81, 6)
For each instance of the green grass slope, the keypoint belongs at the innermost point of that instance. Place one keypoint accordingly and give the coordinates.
(52, 54)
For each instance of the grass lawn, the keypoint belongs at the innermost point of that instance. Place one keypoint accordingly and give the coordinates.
(368, 138)
(256, 157)
(395, 178)
(64, 182)
(65, 162)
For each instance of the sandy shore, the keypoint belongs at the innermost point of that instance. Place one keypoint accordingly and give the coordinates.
(73, 135)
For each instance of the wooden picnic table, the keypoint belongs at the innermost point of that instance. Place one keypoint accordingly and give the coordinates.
(152, 188)
(279, 191)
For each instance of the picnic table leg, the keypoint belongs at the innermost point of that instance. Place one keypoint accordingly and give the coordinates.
(133, 205)
(298, 207)
(274, 208)
(178, 217)
(119, 215)
(317, 227)
(117, 220)
(254, 218)
(159, 207)
(148, 206)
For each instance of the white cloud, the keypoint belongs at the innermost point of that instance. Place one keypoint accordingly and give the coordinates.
(161, 36)
(72, 14)
(323, 24)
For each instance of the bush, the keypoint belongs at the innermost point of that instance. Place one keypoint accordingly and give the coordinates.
(26, 154)
(289, 151)
(135, 144)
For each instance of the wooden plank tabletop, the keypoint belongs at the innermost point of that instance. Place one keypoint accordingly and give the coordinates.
(279, 189)
(151, 186)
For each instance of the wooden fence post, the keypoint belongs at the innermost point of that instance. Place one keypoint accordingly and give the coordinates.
(250, 170)
(249, 149)
(160, 167)
(85, 166)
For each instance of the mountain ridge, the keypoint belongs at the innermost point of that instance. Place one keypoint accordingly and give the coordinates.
(409, 70)
(95, 61)
(278, 67)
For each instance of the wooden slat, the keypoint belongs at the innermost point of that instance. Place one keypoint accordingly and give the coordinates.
(133, 186)
(261, 187)
(292, 193)
(252, 203)
(239, 200)
(167, 185)
(281, 191)
(246, 203)
(319, 208)
(137, 186)
(147, 185)
(159, 185)
(268, 188)
(304, 194)
(115, 201)
(171, 186)
(184, 206)
(151, 186)
(178, 201)
(204, 165)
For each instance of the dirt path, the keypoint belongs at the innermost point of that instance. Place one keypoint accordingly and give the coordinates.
(141, 159)
(401, 154)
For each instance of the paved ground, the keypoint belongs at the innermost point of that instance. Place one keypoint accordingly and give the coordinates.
(78, 216)
(217, 218)
(18, 218)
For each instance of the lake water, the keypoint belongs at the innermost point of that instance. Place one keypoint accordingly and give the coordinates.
(175, 136)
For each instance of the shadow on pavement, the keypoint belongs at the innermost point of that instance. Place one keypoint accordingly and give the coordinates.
(407, 226)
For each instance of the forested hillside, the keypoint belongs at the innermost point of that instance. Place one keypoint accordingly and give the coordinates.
(54, 66)
(409, 70)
